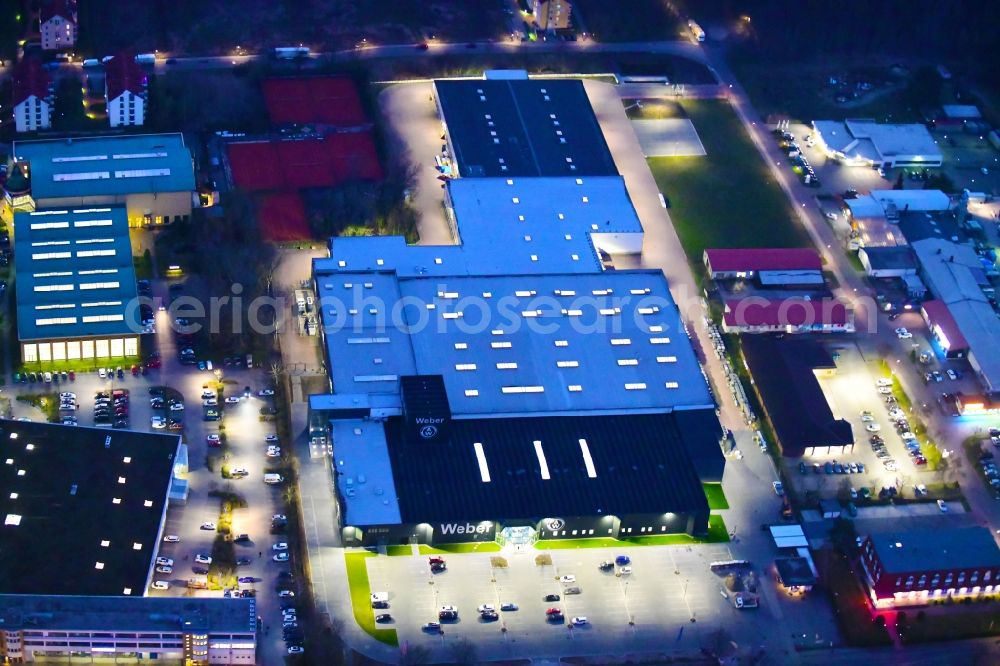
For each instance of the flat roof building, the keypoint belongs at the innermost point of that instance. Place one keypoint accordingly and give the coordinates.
(802, 418)
(954, 274)
(83, 508)
(185, 630)
(76, 291)
(748, 263)
(787, 315)
(888, 261)
(864, 142)
(913, 567)
(152, 175)
(522, 127)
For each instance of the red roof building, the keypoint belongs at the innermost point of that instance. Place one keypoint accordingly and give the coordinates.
(746, 263)
(125, 90)
(31, 88)
(944, 328)
(57, 24)
(29, 78)
(788, 315)
(324, 100)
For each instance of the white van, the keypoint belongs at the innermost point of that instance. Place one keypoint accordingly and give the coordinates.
(882, 381)
(273, 478)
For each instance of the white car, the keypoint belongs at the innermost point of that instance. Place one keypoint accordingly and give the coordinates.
(872, 427)
(177, 407)
(232, 400)
(295, 649)
(951, 374)
(164, 562)
(265, 392)
(568, 578)
(213, 439)
(271, 439)
(885, 390)
(160, 585)
(280, 557)
(273, 452)
(867, 418)
(158, 422)
(102, 373)
(487, 608)
(210, 402)
(891, 465)
(239, 471)
(171, 538)
(285, 594)
(281, 545)
(624, 571)
(580, 621)
(883, 381)
(207, 393)
(942, 506)
(903, 334)
(165, 570)
(208, 526)
(67, 395)
(896, 414)
(448, 609)
(203, 559)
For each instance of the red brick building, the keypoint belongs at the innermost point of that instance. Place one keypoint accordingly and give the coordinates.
(916, 566)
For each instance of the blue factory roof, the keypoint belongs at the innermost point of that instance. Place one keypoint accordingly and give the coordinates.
(586, 343)
(106, 165)
(75, 273)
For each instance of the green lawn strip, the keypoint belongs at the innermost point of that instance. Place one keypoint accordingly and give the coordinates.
(357, 579)
(480, 547)
(716, 497)
(717, 533)
(727, 198)
(79, 365)
(398, 551)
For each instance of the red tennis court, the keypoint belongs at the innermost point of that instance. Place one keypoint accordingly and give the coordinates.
(326, 100)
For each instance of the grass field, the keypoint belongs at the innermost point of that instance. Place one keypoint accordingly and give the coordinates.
(717, 533)
(641, 20)
(357, 579)
(716, 498)
(727, 198)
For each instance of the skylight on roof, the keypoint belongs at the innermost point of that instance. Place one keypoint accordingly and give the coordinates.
(588, 460)
(484, 468)
(543, 464)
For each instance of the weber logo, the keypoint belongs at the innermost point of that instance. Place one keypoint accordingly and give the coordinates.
(427, 420)
(468, 528)
(555, 524)
(428, 432)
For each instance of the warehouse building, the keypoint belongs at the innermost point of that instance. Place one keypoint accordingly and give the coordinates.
(802, 418)
(512, 407)
(888, 262)
(787, 315)
(83, 508)
(76, 291)
(510, 127)
(152, 175)
(915, 567)
(864, 142)
(99, 630)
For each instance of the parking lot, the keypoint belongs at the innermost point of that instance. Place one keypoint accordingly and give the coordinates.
(653, 607)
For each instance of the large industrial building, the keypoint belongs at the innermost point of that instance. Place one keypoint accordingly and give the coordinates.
(83, 516)
(115, 630)
(510, 388)
(76, 291)
(152, 175)
(83, 508)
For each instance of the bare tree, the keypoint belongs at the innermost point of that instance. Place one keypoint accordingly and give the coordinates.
(463, 651)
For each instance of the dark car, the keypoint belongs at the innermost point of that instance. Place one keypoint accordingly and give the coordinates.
(383, 618)
(268, 411)
(551, 597)
(380, 604)
(423, 46)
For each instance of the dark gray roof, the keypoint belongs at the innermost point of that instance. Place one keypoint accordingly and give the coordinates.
(531, 127)
(936, 549)
(782, 368)
(640, 463)
(794, 571)
(885, 258)
(151, 614)
(65, 500)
